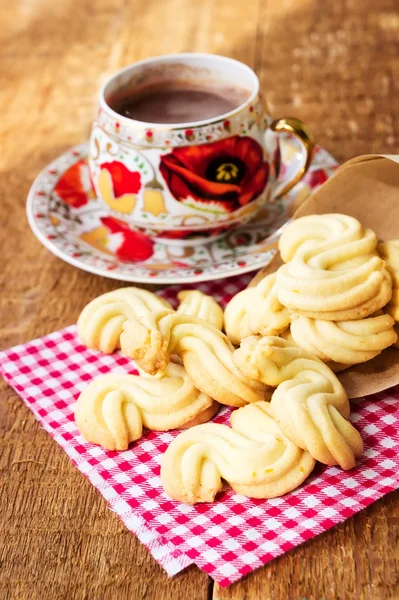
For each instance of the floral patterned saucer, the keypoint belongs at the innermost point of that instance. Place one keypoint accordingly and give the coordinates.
(73, 224)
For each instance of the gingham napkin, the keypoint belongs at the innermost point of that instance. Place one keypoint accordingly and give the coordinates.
(233, 535)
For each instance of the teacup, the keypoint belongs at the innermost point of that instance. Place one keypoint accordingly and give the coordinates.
(187, 182)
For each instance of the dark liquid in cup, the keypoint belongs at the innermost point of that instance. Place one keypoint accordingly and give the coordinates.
(174, 103)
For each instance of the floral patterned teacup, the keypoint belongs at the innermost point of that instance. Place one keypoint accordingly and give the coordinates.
(186, 182)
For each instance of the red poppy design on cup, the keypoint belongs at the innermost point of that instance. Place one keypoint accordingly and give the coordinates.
(123, 180)
(223, 175)
(135, 245)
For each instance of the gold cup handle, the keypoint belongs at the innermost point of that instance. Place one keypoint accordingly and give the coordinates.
(303, 133)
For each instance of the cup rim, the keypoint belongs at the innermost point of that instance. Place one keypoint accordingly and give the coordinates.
(188, 124)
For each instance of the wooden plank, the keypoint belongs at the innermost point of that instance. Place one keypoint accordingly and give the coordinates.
(332, 64)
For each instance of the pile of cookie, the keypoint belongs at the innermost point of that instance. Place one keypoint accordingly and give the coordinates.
(333, 303)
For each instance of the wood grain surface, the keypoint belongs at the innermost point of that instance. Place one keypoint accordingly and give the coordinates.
(333, 64)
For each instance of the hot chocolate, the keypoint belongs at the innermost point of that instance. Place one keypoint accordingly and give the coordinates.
(179, 102)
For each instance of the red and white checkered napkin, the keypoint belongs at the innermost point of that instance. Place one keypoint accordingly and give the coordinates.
(233, 535)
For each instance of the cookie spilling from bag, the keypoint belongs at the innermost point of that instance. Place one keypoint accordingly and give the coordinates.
(365, 188)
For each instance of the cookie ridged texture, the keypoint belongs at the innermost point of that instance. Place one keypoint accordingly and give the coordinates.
(336, 367)
(309, 404)
(347, 342)
(100, 322)
(389, 251)
(332, 269)
(253, 456)
(114, 408)
(256, 310)
(206, 352)
(197, 304)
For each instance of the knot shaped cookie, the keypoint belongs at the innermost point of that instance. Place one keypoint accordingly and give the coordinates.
(100, 322)
(256, 310)
(114, 408)
(346, 342)
(253, 456)
(309, 404)
(334, 272)
(206, 352)
(389, 251)
(197, 304)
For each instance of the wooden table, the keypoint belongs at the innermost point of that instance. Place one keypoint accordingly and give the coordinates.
(334, 64)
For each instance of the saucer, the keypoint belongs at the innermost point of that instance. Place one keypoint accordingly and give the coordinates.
(73, 224)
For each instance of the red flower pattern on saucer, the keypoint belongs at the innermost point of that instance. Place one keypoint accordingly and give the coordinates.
(135, 246)
(317, 177)
(75, 186)
(68, 218)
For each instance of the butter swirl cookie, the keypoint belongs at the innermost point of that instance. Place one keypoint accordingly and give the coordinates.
(197, 304)
(389, 251)
(310, 405)
(114, 408)
(333, 271)
(206, 352)
(256, 310)
(100, 322)
(346, 342)
(253, 456)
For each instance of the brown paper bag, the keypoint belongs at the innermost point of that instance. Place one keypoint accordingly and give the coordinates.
(367, 188)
